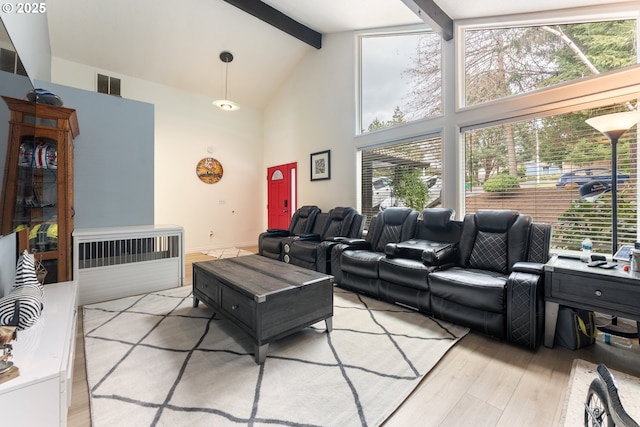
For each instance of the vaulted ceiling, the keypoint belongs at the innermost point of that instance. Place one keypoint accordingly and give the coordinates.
(177, 43)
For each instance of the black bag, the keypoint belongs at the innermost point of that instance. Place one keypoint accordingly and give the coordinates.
(576, 328)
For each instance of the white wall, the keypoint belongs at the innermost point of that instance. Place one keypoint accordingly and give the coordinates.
(29, 33)
(186, 127)
(315, 111)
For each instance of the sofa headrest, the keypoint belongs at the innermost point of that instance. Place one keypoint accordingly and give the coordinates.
(395, 215)
(341, 213)
(307, 211)
(437, 218)
(495, 221)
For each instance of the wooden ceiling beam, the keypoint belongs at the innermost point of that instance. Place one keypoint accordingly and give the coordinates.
(431, 13)
(279, 20)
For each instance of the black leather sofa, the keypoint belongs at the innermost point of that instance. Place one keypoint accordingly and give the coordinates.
(403, 272)
(270, 242)
(314, 250)
(354, 262)
(485, 272)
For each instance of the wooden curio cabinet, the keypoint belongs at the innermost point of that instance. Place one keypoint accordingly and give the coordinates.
(37, 191)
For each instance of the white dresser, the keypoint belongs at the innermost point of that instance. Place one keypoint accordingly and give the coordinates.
(44, 353)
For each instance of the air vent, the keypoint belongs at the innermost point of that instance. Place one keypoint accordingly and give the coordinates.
(108, 85)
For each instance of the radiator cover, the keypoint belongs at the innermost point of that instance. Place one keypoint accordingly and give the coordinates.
(116, 262)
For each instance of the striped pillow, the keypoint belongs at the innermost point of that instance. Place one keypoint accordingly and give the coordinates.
(29, 294)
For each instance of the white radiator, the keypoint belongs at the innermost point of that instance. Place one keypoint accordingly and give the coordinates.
(116, 262)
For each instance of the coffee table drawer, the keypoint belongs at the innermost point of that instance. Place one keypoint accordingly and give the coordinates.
(238, 306)
(207, 288)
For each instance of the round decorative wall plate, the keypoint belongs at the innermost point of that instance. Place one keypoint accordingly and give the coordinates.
(209, 170)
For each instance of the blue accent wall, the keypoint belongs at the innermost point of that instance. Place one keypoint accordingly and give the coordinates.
(113, 158)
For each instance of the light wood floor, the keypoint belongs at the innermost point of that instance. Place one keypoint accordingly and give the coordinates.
(480, 382)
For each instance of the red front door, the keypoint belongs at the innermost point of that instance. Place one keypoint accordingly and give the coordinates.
(281, 194)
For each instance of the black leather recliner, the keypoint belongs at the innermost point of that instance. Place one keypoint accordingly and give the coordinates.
(403, 272)
(313, 251)
(354, 262)
(493, 283)
(270, 242)
(495, 286)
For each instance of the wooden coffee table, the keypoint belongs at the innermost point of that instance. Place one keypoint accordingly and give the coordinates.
(267, 299)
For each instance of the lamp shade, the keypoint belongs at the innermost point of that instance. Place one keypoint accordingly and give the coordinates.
(614, 125)
(226, 105)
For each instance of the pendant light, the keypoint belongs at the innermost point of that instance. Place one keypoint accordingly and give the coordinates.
(225, 104)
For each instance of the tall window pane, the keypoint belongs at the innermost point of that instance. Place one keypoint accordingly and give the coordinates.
(400, 79)
(537, 167)
(405, 174)
(507, 61)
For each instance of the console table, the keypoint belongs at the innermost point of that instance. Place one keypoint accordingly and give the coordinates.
(44, 353)
(572, 283)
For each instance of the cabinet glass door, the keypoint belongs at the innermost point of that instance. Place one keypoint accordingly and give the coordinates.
(37, 192)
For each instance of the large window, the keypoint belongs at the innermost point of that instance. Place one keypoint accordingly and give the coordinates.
(400, 79)
(537, 167)
(500, 62)
(405, 174)
(526, 144)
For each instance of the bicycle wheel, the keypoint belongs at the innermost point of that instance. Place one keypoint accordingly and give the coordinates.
(596, 407)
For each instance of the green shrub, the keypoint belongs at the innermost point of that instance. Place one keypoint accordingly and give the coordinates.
(501, 183)
(411, 189)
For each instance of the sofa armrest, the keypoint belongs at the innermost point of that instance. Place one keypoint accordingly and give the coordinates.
(391, 250)
(429, 251)
(275, 232)
(525, 306)
(323, 256)
(411, 249)
(439, 254)
(529, 267)
(308, 236)
(355, 244)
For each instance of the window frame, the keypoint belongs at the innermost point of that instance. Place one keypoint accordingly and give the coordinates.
(565, 16)
(390, 31)
(591, 92)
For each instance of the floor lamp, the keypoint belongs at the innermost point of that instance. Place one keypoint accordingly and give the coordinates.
(613, 126)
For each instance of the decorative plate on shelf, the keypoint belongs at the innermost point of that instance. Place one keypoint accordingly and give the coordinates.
(209, 170)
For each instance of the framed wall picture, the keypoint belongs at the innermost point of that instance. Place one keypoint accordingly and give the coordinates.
(321, 165)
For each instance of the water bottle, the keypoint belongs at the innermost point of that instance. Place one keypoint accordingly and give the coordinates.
(587, 245)
(614, 340)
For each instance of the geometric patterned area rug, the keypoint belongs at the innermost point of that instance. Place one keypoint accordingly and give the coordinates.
(582, 373)
(154, 360)
(227, 253)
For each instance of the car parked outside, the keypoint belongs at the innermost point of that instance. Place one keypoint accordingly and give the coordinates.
(382, 189)
(579, 177)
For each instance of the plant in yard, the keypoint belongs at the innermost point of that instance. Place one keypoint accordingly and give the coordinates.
(501, 183)
(412, 189)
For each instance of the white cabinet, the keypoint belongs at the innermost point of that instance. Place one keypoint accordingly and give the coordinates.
(44, 353)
